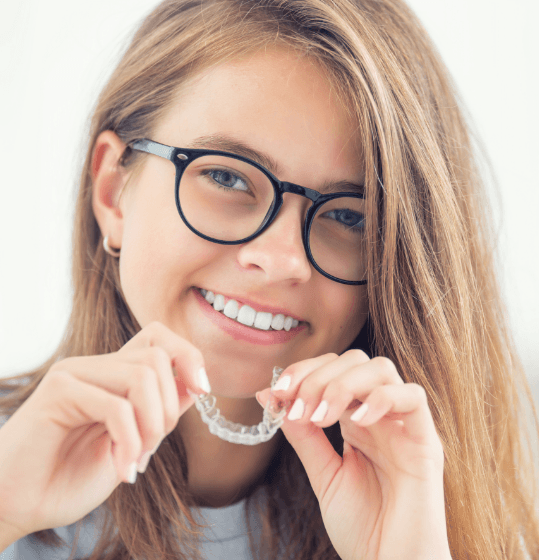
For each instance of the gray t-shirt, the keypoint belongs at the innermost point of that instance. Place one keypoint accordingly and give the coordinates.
(226, 538)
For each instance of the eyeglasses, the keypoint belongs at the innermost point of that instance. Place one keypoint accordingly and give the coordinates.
(230, 199)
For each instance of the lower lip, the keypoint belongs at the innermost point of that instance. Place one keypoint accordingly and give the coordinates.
(242, 332)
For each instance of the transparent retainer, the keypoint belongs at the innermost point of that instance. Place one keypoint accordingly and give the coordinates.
(274, 412)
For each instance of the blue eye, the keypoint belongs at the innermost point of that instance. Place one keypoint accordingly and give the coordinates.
(226, 179)
(354, 221)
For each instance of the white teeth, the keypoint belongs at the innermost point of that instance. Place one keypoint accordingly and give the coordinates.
(219, 302)
(246, 316)
(231, 308)
(262, 320)
(277, 322)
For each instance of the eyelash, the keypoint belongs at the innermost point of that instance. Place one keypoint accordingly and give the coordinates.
(209, 172)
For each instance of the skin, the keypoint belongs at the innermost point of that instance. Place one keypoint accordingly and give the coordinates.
(268, 101)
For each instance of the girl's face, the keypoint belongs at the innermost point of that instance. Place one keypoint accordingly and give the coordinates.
(282, 105)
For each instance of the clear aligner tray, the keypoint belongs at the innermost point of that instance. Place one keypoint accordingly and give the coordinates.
(274, 413)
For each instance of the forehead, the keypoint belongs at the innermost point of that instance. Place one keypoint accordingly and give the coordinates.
(276, 100)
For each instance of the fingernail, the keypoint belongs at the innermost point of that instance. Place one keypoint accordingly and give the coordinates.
(320, 413)
(258, 399)
(297, 411)
(193, 395)
(143, 462)
(360, 412)
(157, 446)
(203, 382)
(283, 384)
(132, 473)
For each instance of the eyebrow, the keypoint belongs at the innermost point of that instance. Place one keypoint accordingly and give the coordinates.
(227, 143)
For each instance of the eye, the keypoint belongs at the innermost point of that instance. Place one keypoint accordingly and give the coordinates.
(348, 218)
(226, 179)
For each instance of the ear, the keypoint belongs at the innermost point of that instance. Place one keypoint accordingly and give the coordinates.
(108, 180)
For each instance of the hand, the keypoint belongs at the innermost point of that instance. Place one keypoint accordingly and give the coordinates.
(70, 444)
(384, 498)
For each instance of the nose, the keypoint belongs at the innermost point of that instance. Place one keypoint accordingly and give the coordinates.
(279, 252)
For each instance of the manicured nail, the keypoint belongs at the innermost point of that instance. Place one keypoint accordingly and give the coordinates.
(283, 384)
(360, 412)
(157, 445)
(297, 411)
(320, 413)
(132, 473)
(145, 458)
(143, 462)
(203, 382)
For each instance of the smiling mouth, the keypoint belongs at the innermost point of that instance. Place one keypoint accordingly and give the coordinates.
(246, 315)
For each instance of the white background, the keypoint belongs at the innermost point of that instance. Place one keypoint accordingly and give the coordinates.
(55, 56)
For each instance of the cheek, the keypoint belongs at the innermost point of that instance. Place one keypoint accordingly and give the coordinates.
(349, 315)
(150, 234)
(159, 255)
(146, 241)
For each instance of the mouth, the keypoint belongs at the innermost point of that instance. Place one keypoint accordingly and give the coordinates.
(248, 316)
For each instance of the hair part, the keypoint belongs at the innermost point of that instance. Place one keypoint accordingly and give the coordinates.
(435, 306)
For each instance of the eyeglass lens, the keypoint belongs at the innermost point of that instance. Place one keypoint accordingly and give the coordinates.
(228, 199)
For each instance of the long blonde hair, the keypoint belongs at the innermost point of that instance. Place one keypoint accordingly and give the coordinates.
(435, 305)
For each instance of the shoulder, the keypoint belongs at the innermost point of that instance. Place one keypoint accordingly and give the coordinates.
(89, 531)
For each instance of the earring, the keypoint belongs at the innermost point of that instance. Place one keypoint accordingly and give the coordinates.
(113, 252)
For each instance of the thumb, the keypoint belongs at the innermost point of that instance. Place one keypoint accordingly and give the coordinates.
(312, 446)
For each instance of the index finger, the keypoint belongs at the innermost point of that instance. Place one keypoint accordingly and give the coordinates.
(294, 374)
(186, 359)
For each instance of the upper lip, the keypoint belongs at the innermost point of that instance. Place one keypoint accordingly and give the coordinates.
(257, 306)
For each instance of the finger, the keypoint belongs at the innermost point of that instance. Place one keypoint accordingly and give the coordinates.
(337, 386)
(347, 389)
(185, 358)
(136, 381)
(81, 403)
(312, 446)
(156, 358)
(410, 402)
(291, 378)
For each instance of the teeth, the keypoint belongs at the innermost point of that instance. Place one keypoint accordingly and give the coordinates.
(219, 302)
(246, 315)
(277, 322)
(231, 308)
(263, 320)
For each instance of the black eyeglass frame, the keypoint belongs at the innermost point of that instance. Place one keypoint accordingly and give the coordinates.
(181, 158)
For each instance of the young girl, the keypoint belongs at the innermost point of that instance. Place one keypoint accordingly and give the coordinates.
(280, 183)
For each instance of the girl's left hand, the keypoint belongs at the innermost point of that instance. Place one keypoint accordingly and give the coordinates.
(384, 498)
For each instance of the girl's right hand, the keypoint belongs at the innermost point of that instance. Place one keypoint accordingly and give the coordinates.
(71, 443)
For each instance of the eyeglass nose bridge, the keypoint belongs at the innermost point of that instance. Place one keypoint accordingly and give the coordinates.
(286, 187)
(312, 195)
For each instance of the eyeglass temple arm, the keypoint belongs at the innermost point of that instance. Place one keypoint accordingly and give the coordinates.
(155, 148)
